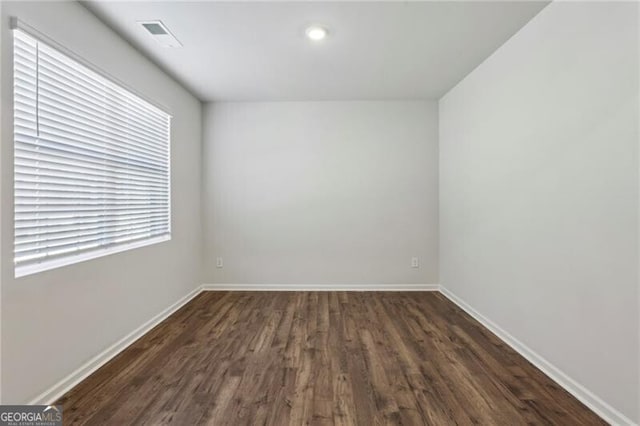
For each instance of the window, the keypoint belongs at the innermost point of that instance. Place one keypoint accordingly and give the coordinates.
(91, 162)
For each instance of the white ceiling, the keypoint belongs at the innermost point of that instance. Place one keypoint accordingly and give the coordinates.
(375, 50)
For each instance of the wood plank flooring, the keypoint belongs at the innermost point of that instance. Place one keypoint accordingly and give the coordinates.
(325, 358)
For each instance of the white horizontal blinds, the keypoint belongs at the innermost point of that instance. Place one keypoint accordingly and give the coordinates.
(91, 160)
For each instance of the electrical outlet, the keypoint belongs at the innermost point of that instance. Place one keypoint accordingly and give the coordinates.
(414, 262)
(219, 262)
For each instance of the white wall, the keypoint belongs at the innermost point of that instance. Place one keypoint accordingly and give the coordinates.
(321, 192)
(2, 212)
(539, 193)
(54, 321)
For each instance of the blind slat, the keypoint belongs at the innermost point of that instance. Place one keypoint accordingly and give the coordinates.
(33, 235)
(26, 160)
(35, 220)
(71, 243)
(49, 57)
(56, 211)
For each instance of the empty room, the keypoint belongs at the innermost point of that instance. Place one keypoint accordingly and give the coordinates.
(319, 213)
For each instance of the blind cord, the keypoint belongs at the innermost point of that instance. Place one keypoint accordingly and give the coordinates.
(37, 89)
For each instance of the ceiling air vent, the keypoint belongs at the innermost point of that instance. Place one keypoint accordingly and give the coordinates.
(160, 33)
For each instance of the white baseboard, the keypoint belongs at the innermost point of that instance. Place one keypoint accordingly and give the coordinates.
(596, 404)
(320, 287)
(63, 386)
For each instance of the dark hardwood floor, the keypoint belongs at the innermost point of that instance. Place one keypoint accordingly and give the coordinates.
(293, 358)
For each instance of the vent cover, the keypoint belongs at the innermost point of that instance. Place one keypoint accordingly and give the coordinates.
(154, 28)
(160, 33)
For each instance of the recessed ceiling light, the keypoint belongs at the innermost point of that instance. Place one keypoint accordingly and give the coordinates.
(316, 33)
(160, 33)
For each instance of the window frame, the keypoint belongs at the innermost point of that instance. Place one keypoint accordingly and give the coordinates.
(65, 260)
